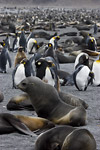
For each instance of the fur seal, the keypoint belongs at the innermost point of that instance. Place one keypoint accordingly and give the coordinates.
(65, 138)
(48, 104)
(80, 139)
(22, 101)
(24, 124)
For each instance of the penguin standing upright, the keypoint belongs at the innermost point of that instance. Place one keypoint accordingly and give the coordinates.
(19, 56)
(51, 52)
(15, 45)
(54, 41)
(4, 57)
(95, 28)
(7, 42)
(32, 46)
(82, 77)
(22, 40)
(81, 59)
(96, 71)
(46, 71)
(21, 71)
(91, 42)
(31, 35)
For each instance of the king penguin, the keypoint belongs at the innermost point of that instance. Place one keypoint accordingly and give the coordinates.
(15, 45)
(4, 57)
(51, 52)
(82, 77)
(22, 40)
(81, 59)
(32, 46)
(22, 70)
(54, 41)
(45, 70)
(96, 71)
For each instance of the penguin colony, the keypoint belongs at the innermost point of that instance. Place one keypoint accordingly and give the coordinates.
(42, 60)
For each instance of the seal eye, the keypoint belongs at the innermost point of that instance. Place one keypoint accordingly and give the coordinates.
(24, 84)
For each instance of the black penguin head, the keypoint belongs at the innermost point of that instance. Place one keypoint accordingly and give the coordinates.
(24, 61)
(20, 49)
(50, 45)
(41, 66)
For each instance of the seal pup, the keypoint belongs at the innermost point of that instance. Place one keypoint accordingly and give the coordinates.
(46, 95)
(65, 138)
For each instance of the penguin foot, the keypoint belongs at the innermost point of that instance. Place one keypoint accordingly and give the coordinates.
(1, 71)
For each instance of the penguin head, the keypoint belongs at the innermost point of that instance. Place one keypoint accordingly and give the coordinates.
(43, 62)
(24, 61)
(57, 38)
(4, 43)
(50, 45)
(82, 59)
(20, 49)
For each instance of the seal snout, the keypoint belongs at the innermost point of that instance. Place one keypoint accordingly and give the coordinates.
(22, 85)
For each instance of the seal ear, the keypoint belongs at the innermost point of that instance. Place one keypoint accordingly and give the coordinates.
(55, 146)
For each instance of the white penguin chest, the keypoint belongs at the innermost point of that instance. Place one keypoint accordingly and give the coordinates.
(96, 71)
(82, 77)
(48, 77)
(20, 74)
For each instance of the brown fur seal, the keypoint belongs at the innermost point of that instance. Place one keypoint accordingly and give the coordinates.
(65, 138)
(22, 101)
(24, 124)
(79, 139)
(47, 103)
(19, 56)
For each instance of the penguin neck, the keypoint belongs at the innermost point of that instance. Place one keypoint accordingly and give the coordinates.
(27, 69)
(40, 72)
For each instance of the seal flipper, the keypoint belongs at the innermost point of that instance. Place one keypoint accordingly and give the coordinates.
(17, 124)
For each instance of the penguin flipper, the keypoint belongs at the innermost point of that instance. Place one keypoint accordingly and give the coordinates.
(9, 60)
(17, 124)
(13, 74)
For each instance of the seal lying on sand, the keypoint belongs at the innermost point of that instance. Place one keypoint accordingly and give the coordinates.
(65, 138)
(48, 104)
(24, 124)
